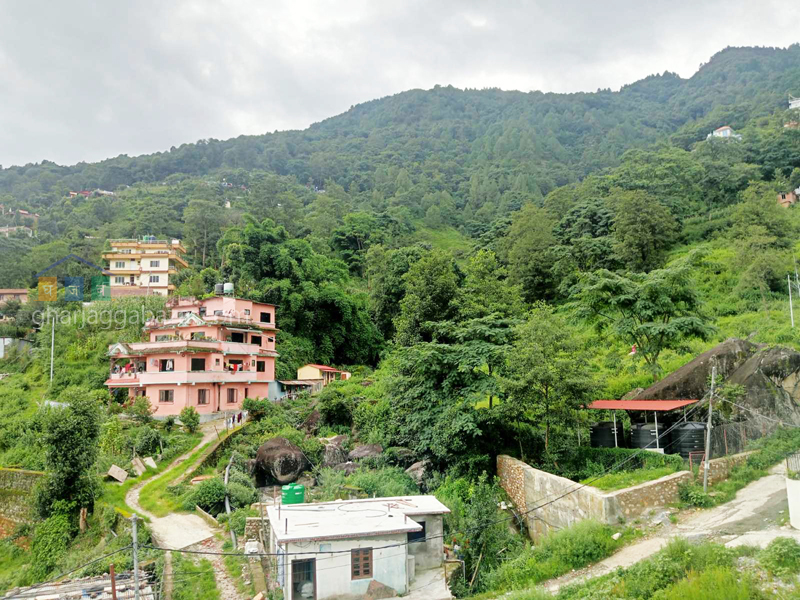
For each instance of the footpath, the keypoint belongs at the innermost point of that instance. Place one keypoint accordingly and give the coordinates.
(749, 519)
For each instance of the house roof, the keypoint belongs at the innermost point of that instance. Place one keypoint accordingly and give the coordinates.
(308, 382)
(657, 405)
(324, 368)
(723, 128)
(351, 518)
(13, 290)
(98, 588)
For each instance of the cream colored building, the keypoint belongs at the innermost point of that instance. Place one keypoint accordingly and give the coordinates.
(144, 267)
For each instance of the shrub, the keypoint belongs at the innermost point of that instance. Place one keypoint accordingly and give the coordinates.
(190, 419)
(693, 495)
(388, 481)
(50, 542)
(238, 520)
(241, 496)
(148, 441)
(239, 477)
(782, 557)
(141, 410)
(717, 582)
(169, 423)
(208, 495)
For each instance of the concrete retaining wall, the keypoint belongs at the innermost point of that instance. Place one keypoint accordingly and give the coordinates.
(563, 502)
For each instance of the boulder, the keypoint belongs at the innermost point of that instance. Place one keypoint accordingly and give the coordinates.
(148, 461)
(348, 467)
(378, 590)
(118, 473)
(281, 460)
(311, 424)
(398, 455)
(417, 471)
(692, 379)
(138, 466)
(365, 451)
(334, 451)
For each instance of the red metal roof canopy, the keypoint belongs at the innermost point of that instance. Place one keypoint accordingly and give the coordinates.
(659, 405)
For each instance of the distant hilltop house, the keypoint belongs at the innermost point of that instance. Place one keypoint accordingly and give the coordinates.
(7, 231)
(725, 132)
(19, 213)
(143, 267)
(786, 199)
(210, 354)
(794, 103)
(87, 193)
(19, 294)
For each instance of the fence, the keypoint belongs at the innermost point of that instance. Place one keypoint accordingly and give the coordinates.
(732, 438)
(793, 462)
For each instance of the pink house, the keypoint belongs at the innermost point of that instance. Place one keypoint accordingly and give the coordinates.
(210, 354)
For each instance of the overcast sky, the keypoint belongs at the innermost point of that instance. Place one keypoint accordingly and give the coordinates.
(83, 81)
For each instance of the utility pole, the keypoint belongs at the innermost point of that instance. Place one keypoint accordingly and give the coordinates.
(708, 429)
(52, 347)
(135, 559)
(791, 310)
(113, 582)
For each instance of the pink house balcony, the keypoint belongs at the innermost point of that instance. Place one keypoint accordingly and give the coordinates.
(193, 377)
(123, 380)
(138, 348)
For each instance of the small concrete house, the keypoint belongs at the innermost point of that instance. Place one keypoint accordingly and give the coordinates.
(725, 132)
(786, 199)
(389, 540)
(321, 373)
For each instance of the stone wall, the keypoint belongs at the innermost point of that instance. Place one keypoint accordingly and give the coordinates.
(721, 467)
(563, 502)
(16, 488)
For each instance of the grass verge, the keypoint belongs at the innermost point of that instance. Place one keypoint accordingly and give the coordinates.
(193, 580)
(625, 479)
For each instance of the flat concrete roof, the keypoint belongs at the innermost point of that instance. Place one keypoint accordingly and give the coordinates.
(346, 519)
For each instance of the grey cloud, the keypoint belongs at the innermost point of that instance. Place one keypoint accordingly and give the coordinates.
(85, 81)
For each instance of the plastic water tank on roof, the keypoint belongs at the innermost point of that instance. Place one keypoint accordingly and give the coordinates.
(228, 289)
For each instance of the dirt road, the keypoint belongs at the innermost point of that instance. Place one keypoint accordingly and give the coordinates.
(750, 518)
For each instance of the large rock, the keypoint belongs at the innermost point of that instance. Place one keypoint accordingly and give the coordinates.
(312, 422)
(348, 467)
(692, 379)
(334, 451)
(365, 451)
(281, 460)
(417, 471)
(378, 590)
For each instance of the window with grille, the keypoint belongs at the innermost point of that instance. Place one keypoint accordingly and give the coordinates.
(202, 396)
(120, 264)
(166, 396)
(154, 278)
(119, 280)
(155, 263)
(361, 563)
(231, 396)
(261, 366)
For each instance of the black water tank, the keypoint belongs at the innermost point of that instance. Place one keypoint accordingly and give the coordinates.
(643, 435)
(689, 437)
(602, 434)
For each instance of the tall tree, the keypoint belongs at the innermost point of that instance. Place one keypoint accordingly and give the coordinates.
(202, 226)
(644, 229)
(547, 376)
(653, 311)
(487, 289)
(528, 250)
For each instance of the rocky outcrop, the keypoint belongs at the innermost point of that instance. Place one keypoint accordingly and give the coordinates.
(365, 451)
(692, 379)
(281, 460)
(348, 467)
(334, 452)
(770, 378)
(417, 471)
(312, 422)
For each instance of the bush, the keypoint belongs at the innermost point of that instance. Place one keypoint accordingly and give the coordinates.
(190, 419)
(50, 542)
(169, 423)
(238, 520)
(781, 557)
(208, 495)
(141, 410)
(584, 543)
(148, 441)
(692, 494)
(580, 463)
(241, 496)
(717, 582)
(388, 481)
(239, 477)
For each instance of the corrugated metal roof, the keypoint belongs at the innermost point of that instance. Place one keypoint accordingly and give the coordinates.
(98, 588)
(309, 382)
(657, 405)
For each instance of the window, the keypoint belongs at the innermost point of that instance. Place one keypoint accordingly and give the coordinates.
(266, 317)
(247, 311)
(166, 364)
(216, 361)
(120, 264)
(217, 313)
(237, 337)
(155, 263)
(198, 364)
(361, 563)
(255, 339)
(154, 278)
(417, 536)
(202, 311)
(231, 396)
(166, 396)
(202, 396)
(260, 366)
(119, 280)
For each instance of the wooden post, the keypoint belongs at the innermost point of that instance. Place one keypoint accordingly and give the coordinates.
(113, 582)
